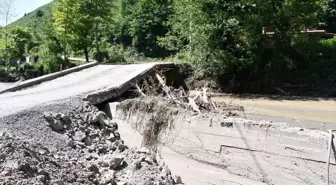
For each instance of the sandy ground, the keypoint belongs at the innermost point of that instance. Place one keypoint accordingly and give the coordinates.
(270, 152)
(313, 113)
(191, 171)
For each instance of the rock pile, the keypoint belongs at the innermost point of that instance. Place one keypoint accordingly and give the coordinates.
(96, 154)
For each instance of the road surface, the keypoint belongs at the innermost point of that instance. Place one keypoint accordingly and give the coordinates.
(74, 84)
(5, 85)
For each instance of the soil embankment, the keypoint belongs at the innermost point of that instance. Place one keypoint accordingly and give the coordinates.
(270, 152)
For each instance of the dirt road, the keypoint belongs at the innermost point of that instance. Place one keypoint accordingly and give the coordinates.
(310, 113)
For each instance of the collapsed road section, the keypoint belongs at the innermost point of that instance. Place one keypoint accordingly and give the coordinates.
(218, 135)
(101, 78)
(50, 135)
(54, 133)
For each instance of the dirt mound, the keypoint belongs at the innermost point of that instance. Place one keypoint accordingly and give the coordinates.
(82, 146)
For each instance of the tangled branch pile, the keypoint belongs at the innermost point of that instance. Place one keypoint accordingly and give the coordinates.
(180, 97)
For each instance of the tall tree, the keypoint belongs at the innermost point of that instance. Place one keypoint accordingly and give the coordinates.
(328, 15)
(7, 12)
(211, 32)
(79, 20)
(139, 23)
(148, 24)
(102, 17)
(63, 15)
(48, 47)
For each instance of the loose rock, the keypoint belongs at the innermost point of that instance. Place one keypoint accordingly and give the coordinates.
(107, 177)
(177, 179)
(116, 162)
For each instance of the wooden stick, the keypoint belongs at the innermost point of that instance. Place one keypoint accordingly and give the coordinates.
(164, 87)
(329, 150)
(194, 106)
(140, 91)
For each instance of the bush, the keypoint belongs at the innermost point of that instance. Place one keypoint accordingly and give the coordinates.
(28, 71)
(52, 63)
(186, 69)
(116, 54)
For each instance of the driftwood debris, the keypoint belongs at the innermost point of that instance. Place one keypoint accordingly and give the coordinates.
(180, 97)
(140, 91)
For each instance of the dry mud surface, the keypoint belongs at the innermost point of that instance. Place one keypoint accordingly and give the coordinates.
(307, 112)
(72, 142)
(269, 152)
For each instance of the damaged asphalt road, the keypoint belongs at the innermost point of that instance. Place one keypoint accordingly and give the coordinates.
(72, 85)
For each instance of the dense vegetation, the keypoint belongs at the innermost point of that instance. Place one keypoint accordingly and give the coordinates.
(221, 39)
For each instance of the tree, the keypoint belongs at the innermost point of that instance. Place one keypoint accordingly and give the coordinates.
(48, 48)
(7, 12)
(17, 42)
(328, 15)
(39, 13)
(139, 23)
(63, 15)
(148, 24)
(211, 32)
(122, 19)
(102, 17)
(78, 21)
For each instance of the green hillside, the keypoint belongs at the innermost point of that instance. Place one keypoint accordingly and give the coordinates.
(33, 18)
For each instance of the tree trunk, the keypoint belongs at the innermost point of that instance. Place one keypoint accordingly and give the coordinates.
(97, 37)
(86, 53)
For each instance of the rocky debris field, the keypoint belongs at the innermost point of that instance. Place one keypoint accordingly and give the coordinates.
(73, 143)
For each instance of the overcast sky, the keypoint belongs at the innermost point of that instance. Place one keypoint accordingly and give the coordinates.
(25, 6)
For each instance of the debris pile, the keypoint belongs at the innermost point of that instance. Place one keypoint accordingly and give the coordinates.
(202, 100)
(96, 154)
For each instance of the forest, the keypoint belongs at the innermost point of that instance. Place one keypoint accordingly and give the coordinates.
(242, 46)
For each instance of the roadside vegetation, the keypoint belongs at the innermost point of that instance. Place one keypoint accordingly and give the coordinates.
(220, 40)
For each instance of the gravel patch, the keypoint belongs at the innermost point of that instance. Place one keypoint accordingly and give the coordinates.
(72, 142)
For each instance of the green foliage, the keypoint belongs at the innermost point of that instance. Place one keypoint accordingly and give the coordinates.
(221, 39)
(17, 43)
(328, 15)
(211, 33)
(28, 71)
(148, 24)
(140, 24)
(77, 22)
(329, 43)
(39, 13)
(34, 18)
